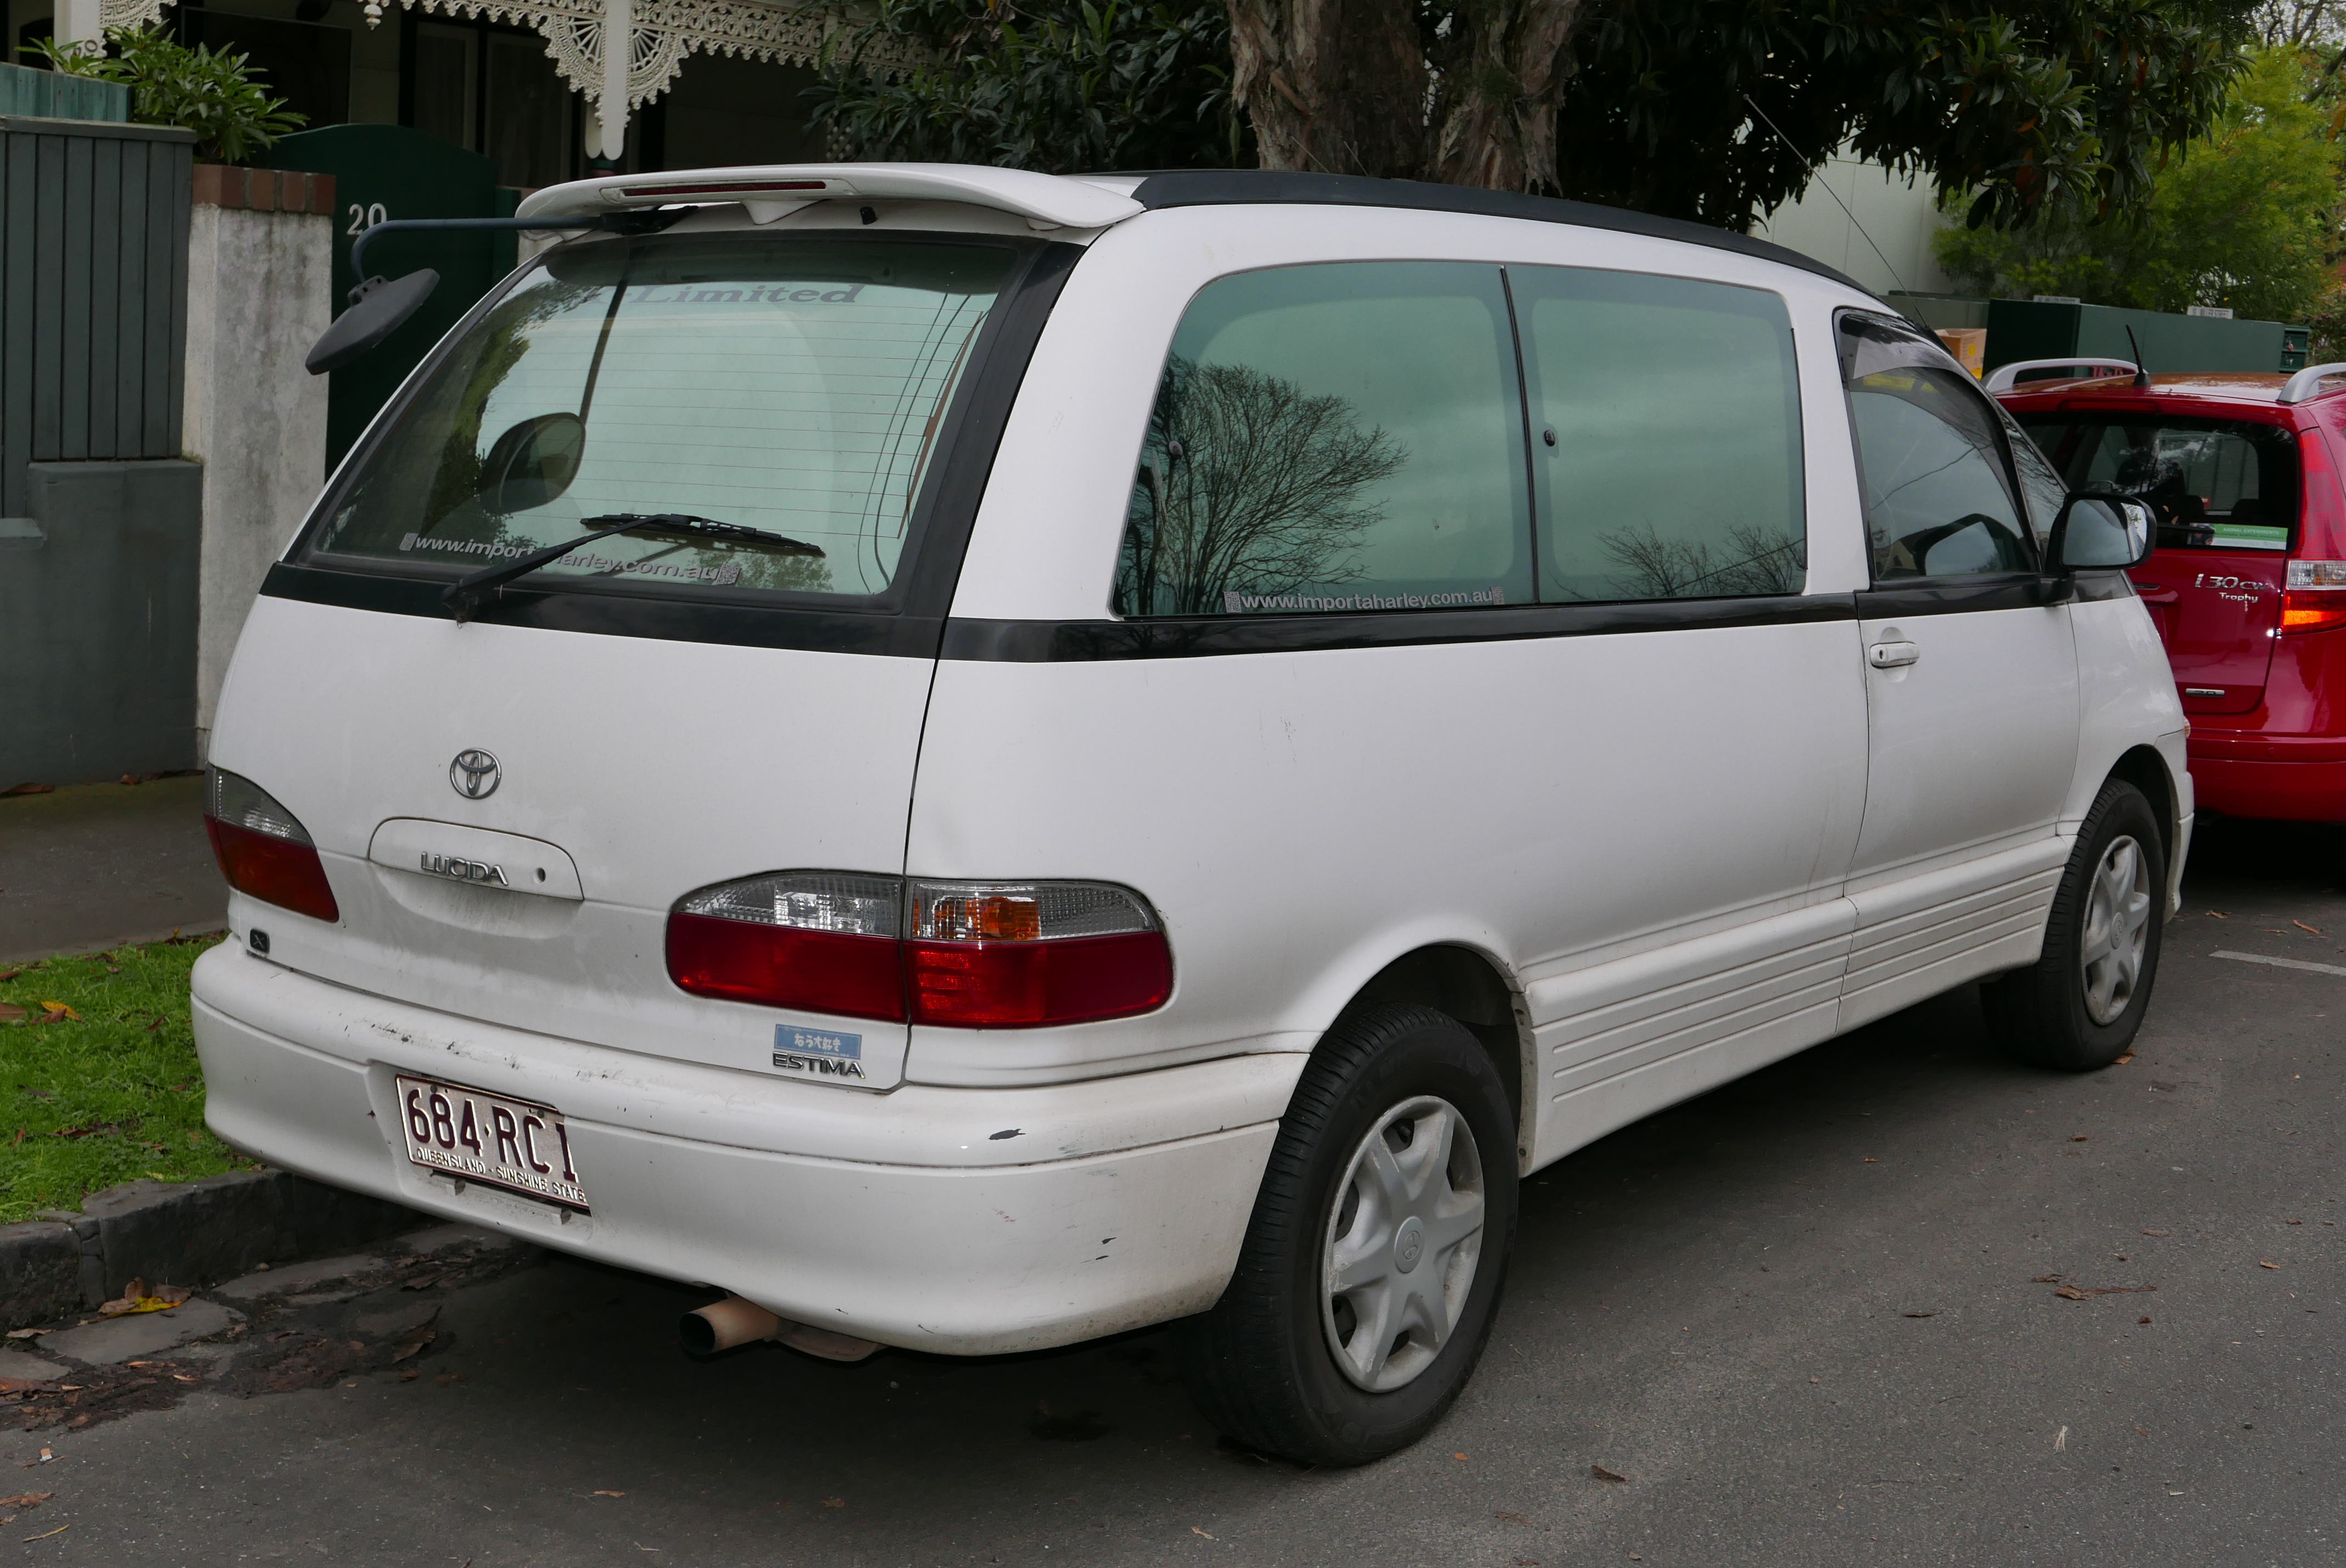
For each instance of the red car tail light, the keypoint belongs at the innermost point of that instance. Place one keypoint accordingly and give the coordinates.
(828, 941)
(974, 955)
(2315, 599)
(1020, 955)
(262, 849)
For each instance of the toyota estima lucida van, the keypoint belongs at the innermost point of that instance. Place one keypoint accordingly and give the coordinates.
(980, 759)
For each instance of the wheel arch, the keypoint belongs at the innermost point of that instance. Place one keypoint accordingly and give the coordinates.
(2145, 770)
(1474, 988)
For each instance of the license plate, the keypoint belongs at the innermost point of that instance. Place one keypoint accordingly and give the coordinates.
(485, 1138)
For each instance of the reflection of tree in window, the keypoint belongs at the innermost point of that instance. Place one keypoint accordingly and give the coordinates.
(1246, 483)
(1753, 561)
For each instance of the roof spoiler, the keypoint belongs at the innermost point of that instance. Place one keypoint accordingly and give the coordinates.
(773, 190)
(2003, 377)
(2307, 382)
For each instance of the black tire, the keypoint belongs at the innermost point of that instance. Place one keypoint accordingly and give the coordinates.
(1260, 1364)
(2044, 1015)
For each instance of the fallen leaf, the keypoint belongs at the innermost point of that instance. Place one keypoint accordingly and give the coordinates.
(26, 1333)
(2302, 926)
(2218, 914)
(1511, 1518)
(1193, 1530)
(834, 1502)
(2292, 1222)
(2069, 1293)
(2141, 1320)
(185, 1378)
(414, 1344)
(601, 1494)
(57, 1010)
(10, 973)
(2123, 1060)
(2262, 1264)
(2079, 1138)
(77, 1423)
(2047, 1279)
(60, 1530)
(421, 1282)
(27, 1500)
(1601, 1473)
(29, 789)
(1871, 1161)
(10, 1013)
(1932, 1313)
(410, 1375)
(2159, 1233)
(1458, 1456)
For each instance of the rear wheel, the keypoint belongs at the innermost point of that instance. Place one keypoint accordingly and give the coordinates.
(2079, 1006)
(1372, 1268)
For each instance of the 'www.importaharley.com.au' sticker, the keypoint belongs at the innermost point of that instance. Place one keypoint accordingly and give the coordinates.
(823, 1051)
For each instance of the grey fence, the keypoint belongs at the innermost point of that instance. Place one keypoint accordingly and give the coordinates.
(92, 293)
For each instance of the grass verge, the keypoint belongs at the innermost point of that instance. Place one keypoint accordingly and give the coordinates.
(98, 1079)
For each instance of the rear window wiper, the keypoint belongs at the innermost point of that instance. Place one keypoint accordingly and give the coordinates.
(464, 595)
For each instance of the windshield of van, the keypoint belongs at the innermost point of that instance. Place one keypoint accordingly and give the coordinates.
(792, 385)
(2219, 484)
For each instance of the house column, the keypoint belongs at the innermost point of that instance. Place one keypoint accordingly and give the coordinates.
(619, 56)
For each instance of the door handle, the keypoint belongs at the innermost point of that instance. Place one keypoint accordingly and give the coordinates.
(1891, 656)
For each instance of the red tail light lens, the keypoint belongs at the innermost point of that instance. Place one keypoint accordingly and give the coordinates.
(262, 849)
(822, 941)
(974, 955)
(2315, 598)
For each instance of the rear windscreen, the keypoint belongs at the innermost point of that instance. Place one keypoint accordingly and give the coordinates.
(2215, 483)
(791, 385)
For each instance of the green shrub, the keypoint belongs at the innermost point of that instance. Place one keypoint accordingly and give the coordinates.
(214, 96)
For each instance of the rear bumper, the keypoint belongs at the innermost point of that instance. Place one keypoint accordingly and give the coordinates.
(2286, 777)
(907, 1217)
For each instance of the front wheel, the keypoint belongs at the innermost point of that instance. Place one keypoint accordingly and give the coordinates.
(2079, 1007)
(1372, 1266)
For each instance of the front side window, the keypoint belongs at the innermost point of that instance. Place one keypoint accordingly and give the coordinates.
(2221, 485)
(1666, 417)
(793, 386)
(1939, 495)
(1337, 437)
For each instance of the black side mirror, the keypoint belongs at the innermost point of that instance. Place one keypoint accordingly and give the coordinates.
(2100, 531)
(377, 310)
(533, 463)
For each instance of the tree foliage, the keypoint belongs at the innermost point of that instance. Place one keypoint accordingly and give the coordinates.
(2041, 107)
(2243, 216)
(1059, 85)
(212, 94)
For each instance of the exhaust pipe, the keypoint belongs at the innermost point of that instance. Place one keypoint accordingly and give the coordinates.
(720, 1326)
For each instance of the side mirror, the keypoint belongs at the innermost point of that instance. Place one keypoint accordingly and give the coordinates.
(2101, 530)
(377, 310)
(533, 463)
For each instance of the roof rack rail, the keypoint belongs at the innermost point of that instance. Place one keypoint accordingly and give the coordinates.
(2307, 384)
(772, 190)
(2004, 377)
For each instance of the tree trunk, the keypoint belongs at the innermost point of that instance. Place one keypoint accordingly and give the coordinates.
(1504, 77)
(1337, 87)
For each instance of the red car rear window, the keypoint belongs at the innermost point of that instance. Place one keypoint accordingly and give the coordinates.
(2220, 485)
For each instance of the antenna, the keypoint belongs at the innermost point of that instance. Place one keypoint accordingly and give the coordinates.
(2141, 370)
(1853, 223)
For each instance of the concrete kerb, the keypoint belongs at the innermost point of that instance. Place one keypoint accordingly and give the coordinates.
(190, 1234)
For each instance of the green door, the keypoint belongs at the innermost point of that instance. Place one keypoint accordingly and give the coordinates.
(382, 172)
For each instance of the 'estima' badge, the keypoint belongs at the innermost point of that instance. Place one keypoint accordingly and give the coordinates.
(825, 1053)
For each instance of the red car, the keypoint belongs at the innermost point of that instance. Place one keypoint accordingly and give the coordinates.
(2248, 585)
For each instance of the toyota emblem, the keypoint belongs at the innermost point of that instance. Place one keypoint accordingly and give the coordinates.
(474, 775)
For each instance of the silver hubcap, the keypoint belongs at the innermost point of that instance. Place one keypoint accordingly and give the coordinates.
(1403, 1239)
(2118, 929)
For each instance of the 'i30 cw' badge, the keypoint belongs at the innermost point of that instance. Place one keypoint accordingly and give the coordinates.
(474, 775)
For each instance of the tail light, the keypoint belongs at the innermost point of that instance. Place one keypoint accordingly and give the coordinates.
(2314, 599)
(974, 955)
(824, 941)
(262, 849)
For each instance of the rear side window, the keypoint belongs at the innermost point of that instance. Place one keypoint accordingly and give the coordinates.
(1340, 437)
(2219, 484)
(1940, 498)
(792, 385)
(1666, 418)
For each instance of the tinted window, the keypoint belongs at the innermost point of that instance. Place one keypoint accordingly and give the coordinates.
(1333, 438)
(1665, 419)
(1938, 496)
(792, 385)
(2215, 483)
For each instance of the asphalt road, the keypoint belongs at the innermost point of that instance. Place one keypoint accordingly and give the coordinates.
(1802, 1317)
(92, 866)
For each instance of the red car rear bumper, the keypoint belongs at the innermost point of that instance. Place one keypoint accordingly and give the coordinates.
(2288, 779)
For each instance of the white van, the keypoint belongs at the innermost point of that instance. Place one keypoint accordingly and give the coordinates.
(982, 759)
